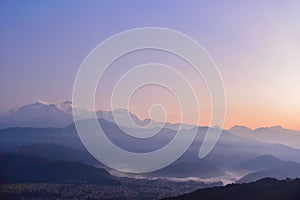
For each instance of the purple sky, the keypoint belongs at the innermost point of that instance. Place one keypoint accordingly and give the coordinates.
(256, 45)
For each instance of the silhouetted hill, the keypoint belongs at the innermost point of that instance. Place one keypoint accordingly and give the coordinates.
(289, 171)
(264, 189)
(20, 169)
(263, 162)
(229, 151)
(56, 152)
(269, 166)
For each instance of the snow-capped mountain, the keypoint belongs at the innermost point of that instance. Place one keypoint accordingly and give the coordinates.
(45, 114)
(69, 108)
(38, 114)
(66, 107)
(123, 117)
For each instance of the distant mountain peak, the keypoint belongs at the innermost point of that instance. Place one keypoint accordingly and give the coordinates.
(37, 105)
(278, 127)
(240, 128)
(66, 106)
(43, 102)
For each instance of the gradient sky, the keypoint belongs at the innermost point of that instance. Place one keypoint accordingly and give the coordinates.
(256, 45)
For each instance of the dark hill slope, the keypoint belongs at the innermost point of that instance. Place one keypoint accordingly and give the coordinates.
(264, 189)
(20, 169)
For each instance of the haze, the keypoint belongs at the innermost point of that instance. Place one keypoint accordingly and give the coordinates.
(255, 44)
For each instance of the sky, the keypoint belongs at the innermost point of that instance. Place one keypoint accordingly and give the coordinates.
(255, 44)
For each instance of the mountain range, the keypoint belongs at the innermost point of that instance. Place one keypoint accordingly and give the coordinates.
(42, 114)
(223, 163)
(274, 135)
(32, 136)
